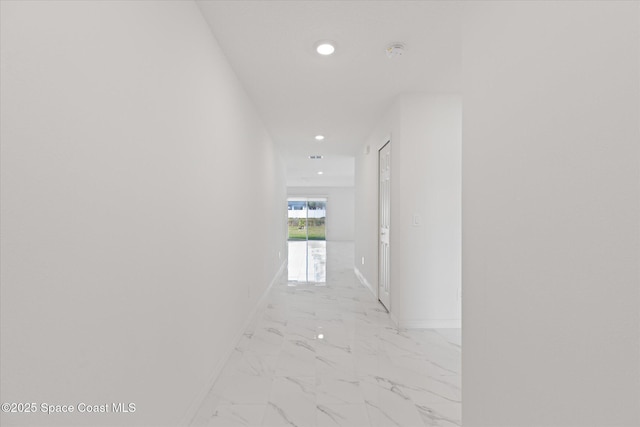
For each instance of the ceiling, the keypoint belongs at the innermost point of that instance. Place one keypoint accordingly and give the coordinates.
(299, 94)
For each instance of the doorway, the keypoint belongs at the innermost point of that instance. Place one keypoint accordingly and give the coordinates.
(384, 221)
(306, 218)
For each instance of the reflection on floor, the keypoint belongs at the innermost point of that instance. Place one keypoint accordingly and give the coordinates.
(308, 261)
(329, 356)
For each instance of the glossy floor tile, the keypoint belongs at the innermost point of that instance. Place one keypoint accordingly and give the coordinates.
(326, 354)
(307, 261)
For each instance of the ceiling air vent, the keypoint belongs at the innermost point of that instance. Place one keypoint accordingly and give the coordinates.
(315, 157)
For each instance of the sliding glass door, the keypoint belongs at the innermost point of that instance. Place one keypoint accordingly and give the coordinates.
(307, 218)
(307, 240)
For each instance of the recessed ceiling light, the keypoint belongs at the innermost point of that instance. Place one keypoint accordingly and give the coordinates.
(320, 173)
(319, 137)
(325, 48)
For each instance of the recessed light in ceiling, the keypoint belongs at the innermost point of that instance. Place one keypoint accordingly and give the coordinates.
(319, 137)
(320, 173)
(325, 48)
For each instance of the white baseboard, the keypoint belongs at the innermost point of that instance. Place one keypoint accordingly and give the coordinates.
(394, 319)
(364, 281)
(428, 323)
(197, 402)
(411, 323)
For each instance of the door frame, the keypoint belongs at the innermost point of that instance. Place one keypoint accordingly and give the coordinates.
(378, 239)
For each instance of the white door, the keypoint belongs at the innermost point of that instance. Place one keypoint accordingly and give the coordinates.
(384, 219)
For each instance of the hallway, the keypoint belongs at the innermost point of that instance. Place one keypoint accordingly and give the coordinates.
(326, 355)
(149, 152)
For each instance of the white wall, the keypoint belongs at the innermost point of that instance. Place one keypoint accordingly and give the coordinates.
(551, 214)
(425, 181)
(126, 138)
(340, 222)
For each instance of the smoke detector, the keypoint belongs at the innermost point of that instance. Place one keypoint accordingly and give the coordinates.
(395, 50)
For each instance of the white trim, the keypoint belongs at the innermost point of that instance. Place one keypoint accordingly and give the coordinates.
(197, 402)
(429, 323)
(388, 303)
(386, 140)
(364, 281)
(412, 323)
(394, 319)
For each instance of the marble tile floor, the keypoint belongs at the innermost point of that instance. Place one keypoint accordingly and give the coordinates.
(327, 354)
(307, 261)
